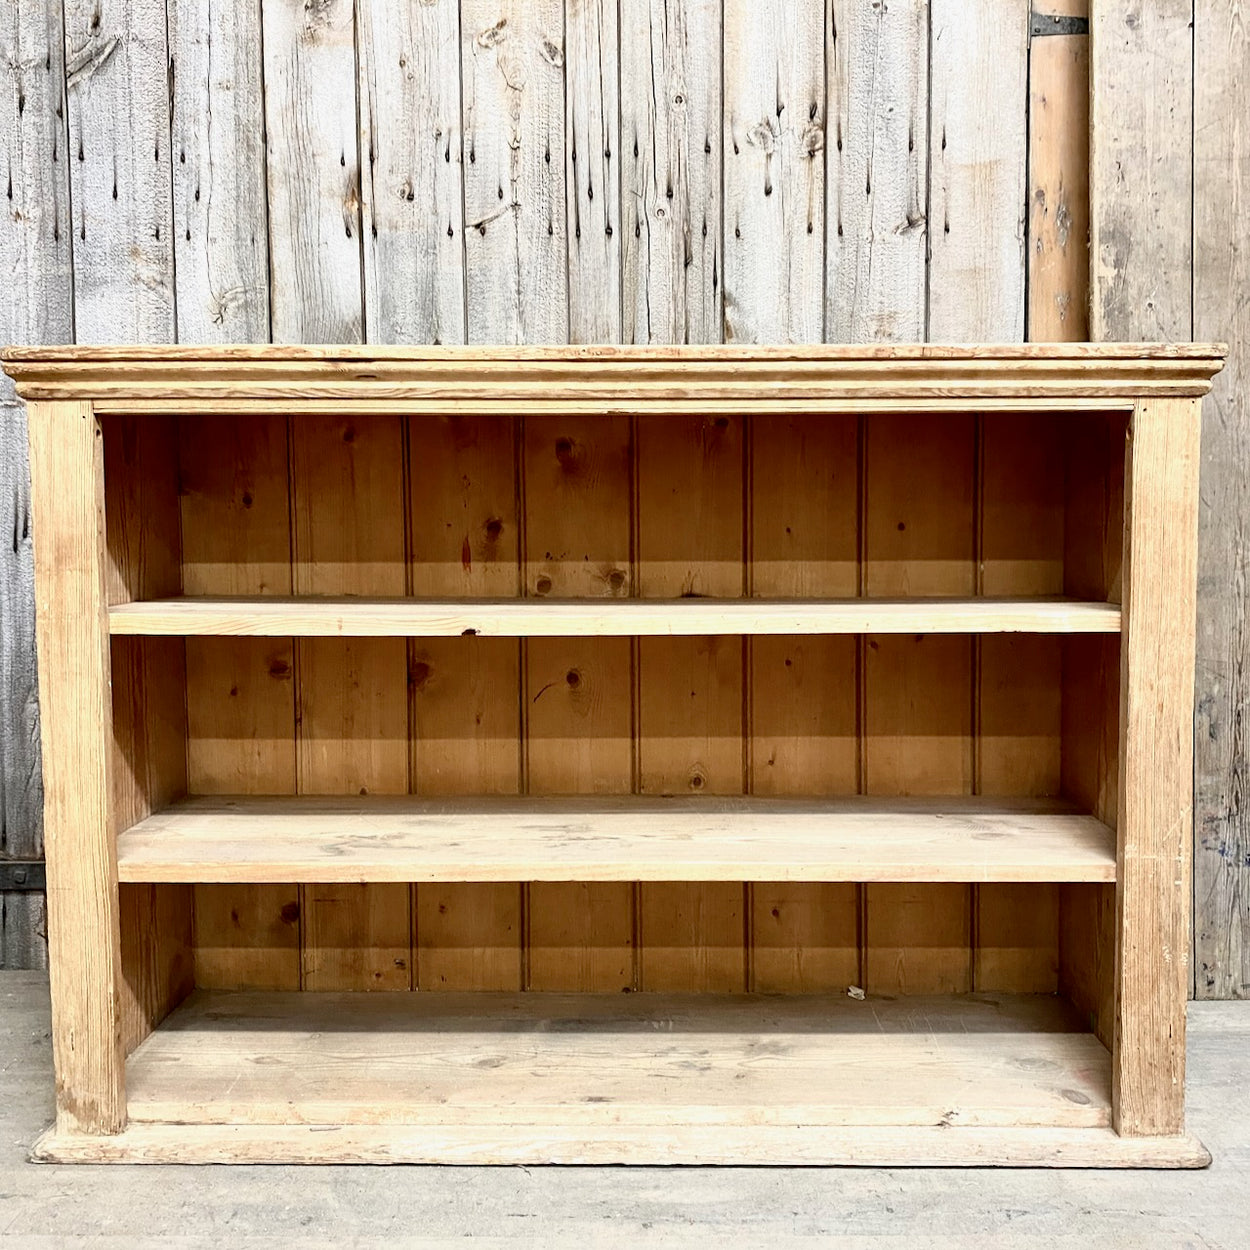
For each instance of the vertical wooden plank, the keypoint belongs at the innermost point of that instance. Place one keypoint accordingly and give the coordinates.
(118, 92)
(413, 223)
(221, 248)
(803, 733)
(978, 71)
(83, 927)
(348, 508)
(464, 692)
(877, 60)
(774, 179)
(516, 244)
(918, 539)
(35, 257)
(1141, 172)
(593, 173)
(918, 527)
(1221, 277)
(236, 539)
(1019, 684)
(579, 740)
(690, 690)
(1059, 95)
(671, 181)
(148, 767)
(578, 702)
(313, 171)
(1156, 768)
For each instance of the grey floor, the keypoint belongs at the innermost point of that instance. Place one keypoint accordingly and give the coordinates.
(105, 1207)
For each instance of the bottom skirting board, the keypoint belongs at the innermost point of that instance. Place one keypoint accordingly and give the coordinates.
(637, 1144)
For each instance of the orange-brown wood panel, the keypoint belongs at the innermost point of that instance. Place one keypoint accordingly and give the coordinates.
(577, 537)
(1019, 688)
(803, 504)
(464, 523)
(690, 522)
(236, 540)
(919, 538)
(348, 504)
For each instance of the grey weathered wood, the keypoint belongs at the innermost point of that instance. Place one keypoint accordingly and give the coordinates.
(1141, 183)
(593, 176)
(220, 245)
(413, 195)
(978, 151)
(516, 247)
(37, 307)
(878, 72)
(313, 170)
(671, 162)
(1222, 311)
(118, 92)
(774, 139)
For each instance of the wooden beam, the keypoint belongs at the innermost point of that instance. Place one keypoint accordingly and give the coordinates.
(67, 478)
(1156, 769)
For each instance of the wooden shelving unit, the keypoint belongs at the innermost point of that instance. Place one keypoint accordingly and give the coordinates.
(705, 755)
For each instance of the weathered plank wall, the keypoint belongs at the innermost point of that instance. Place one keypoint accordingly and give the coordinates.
(1170, 178)
(637, 170)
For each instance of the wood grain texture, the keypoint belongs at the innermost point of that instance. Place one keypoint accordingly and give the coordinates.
(609, 834)
(234, 497)
(774, 171)
(313, 168)
(348, 501)
(36, 259)
(536, 1061)
(764, 1144)
(592, 124)
(1058, 257)
(1221, 275)
(67, 482)
(1141, 169)
(877, 153)
(578, 698)
(220, 213)
(412, 202)
(117, 87)
(1155, 817)
(671, 123)
(516, 242)
(978, 69)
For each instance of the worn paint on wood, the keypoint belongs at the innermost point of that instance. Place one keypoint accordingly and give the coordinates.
(1221, 278)
(516, 242)
(774, 175)
(410, 145)
(221, 244)
(1141, 176)
(671, 181)
(978, 150)
(877, 152)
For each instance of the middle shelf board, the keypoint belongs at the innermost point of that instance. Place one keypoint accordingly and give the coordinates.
(319, 617)
(628, 838)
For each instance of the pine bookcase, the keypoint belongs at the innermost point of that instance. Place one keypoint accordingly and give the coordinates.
(705, 755)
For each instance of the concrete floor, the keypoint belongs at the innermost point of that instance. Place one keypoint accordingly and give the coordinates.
(105, 1207)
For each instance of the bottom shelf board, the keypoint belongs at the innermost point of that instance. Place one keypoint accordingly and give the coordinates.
(638, 1144)
(481, 1062)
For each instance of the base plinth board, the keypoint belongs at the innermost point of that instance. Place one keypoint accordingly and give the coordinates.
(640, 1144)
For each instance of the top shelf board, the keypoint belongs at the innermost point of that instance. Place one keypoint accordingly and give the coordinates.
(563, 618)
(607, 379)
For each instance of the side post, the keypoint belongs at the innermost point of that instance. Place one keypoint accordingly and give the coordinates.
(1156, 768)
(71, 631)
